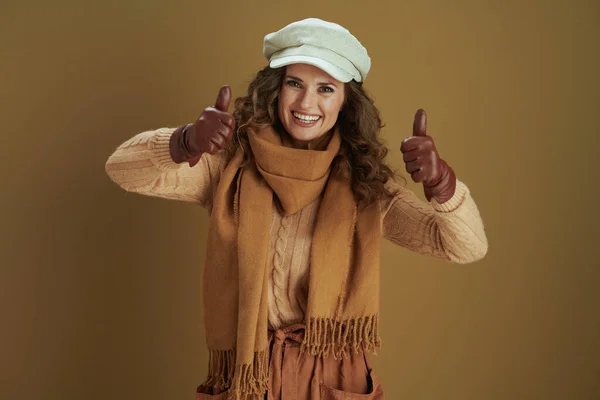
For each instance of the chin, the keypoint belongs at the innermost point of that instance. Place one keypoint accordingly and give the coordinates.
(303, 136)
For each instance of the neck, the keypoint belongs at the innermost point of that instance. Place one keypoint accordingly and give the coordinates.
(299, 144)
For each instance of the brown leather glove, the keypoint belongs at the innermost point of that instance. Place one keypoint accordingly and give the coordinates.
(424, 163)
(209, 133)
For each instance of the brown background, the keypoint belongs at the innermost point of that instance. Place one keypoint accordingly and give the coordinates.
(99, 288)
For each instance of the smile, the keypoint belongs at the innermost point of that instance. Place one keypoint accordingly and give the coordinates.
(303, 119)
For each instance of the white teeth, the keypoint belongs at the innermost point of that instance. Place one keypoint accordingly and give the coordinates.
(305, 117)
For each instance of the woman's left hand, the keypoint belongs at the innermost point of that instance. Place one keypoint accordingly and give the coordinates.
(424, 164)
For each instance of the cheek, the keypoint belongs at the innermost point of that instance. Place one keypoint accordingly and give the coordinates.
(334, 107)
(284, 101)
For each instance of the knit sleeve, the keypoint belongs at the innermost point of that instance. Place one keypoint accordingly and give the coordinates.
(143, 165)
(451, 231)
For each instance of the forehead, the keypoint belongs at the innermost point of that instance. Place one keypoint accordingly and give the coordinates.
(309, 72)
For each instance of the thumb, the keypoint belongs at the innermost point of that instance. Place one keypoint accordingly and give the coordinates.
(223, 98)
(420, 124)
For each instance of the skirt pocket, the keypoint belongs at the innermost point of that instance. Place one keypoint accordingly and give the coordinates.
(373, 390)
(210, 393)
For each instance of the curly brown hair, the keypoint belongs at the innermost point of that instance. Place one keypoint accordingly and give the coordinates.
(359, 123)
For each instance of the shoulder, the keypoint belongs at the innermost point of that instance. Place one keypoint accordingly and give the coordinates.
(399, 196)
(215, 163)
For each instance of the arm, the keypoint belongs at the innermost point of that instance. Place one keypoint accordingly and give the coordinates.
(145, 164)
(451, 231)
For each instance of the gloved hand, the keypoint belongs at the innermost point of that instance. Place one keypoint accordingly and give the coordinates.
(209, 133)
(424, 163)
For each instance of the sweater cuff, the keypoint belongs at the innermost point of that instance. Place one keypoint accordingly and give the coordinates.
(161, 153)
(455, 201)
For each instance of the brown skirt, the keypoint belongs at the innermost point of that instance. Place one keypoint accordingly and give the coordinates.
(293, 376)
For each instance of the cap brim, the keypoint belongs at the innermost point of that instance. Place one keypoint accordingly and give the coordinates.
(326, 66)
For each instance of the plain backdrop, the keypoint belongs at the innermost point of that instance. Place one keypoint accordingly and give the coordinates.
(99, 288)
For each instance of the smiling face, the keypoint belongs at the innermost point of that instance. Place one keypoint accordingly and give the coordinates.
(309, 103)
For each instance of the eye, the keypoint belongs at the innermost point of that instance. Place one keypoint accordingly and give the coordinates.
(329, 90)
(293, 83)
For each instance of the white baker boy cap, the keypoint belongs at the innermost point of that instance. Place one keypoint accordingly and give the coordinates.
(326, 45)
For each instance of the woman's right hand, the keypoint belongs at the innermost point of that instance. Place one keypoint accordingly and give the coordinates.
(211, 131)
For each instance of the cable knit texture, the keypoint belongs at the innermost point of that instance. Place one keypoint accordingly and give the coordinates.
(452, 231)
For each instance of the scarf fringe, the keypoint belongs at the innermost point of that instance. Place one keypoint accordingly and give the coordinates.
(325, 334)
(250, 379)
(322, 335)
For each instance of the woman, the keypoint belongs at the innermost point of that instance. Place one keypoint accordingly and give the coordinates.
(298, 203)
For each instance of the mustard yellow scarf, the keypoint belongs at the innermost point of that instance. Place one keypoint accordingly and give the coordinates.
(343, 298)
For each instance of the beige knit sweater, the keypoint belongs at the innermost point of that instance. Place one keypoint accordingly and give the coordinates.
(451, 231)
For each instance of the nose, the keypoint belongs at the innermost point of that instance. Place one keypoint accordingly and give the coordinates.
(308, 100)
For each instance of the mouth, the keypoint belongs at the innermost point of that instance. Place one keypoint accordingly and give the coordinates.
(305, 122)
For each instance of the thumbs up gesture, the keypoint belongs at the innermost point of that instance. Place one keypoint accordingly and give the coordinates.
(424, 164)
(211, 131)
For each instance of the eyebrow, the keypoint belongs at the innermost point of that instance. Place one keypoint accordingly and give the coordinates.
(320, 83)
